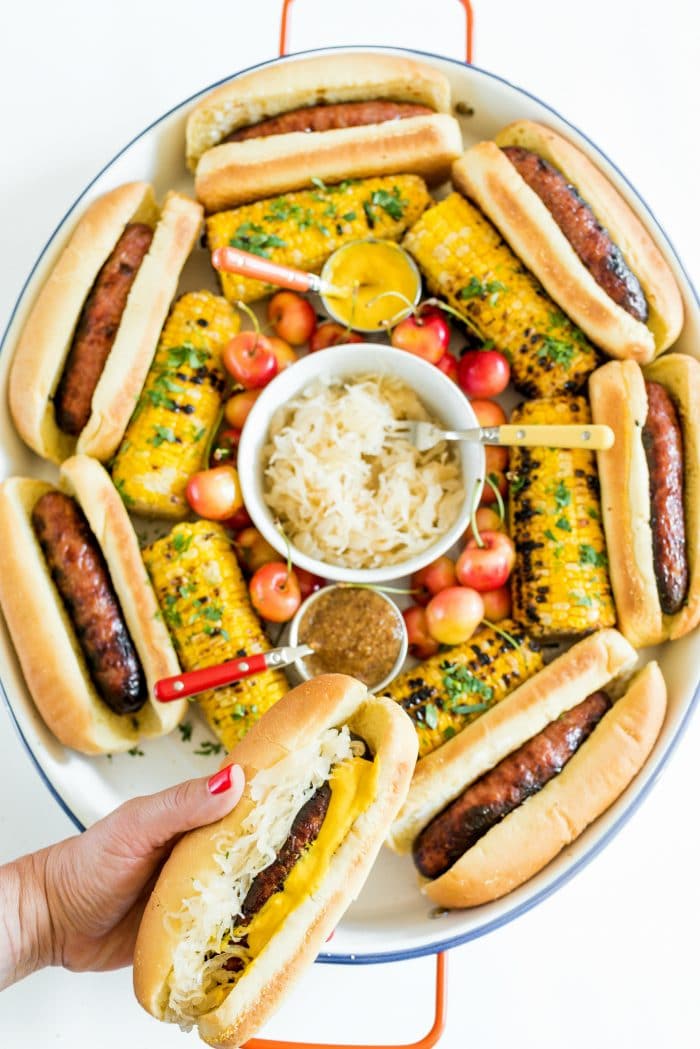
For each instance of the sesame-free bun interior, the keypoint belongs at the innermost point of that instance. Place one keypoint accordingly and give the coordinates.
(43, 636)
(618, 399)
(329, 701)
(45, 340)
(486, 175)
(285, 86)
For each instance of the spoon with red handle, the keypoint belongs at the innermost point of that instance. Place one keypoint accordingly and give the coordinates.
(181, 686)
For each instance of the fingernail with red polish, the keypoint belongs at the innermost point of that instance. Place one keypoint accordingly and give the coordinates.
(220, 781)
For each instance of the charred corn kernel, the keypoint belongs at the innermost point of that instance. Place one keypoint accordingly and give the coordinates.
(302, 229)
(447, 691)
(560, 583)
(466, 262)
(167, 437)
(204, 601)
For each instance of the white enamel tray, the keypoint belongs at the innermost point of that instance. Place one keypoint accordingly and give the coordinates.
(390, 920)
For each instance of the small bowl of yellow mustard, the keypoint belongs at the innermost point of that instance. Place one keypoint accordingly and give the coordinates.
(379, 279)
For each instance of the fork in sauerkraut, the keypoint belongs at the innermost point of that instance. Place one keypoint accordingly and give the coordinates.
(346, 492)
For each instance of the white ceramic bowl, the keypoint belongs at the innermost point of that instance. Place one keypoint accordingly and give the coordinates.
(441, 397)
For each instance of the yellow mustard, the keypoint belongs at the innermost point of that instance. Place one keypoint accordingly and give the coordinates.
(353, 787)
(371, 268)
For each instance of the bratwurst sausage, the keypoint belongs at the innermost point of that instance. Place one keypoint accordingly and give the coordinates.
(305, 829)
(97, 328)
(488, 800)
(327, 118)
(663, 445)
(82, 579)
(593, 245)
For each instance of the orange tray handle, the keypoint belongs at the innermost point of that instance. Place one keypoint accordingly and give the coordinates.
(468, 14)
(430, 1039)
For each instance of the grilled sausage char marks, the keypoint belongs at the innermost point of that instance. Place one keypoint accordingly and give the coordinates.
(97, 328)
(490, 798)
(330, 117)
(305, 829)
(591, 242)
(82, 578)
(663, 444)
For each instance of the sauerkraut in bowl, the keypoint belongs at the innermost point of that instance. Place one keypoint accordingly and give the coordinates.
(345, 489)
(322, 470)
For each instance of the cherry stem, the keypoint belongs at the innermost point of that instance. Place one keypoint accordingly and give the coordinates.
(503, 633)
(251, 316)
(455, 313)
(499, 498)
(377, 588)
(475, 505)
(282, 532)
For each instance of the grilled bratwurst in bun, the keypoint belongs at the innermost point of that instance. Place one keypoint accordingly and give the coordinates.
(90, 337)
(81, 611)
(243, 906)
(573, 230)
(497, 802)
(333, 117)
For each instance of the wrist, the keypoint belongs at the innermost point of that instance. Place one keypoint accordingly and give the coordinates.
(26, 931)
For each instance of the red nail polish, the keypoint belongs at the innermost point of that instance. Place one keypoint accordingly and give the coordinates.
(220, 781)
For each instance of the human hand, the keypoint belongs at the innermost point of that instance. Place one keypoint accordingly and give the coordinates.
(79, 903)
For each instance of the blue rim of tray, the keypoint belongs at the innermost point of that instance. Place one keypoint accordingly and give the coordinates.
(574, 869)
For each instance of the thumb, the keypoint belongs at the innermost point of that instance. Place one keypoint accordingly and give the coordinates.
(153, 821)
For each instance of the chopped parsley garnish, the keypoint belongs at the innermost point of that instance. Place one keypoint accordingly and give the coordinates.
(562, 524)
(517, 483)
(562, 495)
(449, 732)
(135, 752)
(350, 216)
(593, 513)
(253, 238)
(478, 289)
(588, 556)
(430, 715)
(582, 600)
(185, 731)
(126, 498)
(186, 354)
(550, 535)
(207, 748)
(557, 350)
(170, 612)
(182, 542)
(458, 681)
(318, 182)
(162, 435)
(391, 203)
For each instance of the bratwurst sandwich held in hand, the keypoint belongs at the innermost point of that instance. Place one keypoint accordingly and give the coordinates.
(243, 906)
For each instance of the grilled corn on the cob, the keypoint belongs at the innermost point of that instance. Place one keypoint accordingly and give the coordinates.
(466, 262)
(204, 602)
(179, 407)
(560, 581)
(447, 691)
(302, 229)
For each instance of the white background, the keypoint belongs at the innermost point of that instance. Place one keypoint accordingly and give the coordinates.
(611, 960)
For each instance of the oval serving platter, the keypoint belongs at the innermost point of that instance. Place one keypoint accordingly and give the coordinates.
(390, 920)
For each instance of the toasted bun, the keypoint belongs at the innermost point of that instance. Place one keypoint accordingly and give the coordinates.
(43, 636)
(618, 398)
(46, 337)
(238, 172)
(486, 175)
(534, 833)
(282, 87)
(441, 776)
(329, 701)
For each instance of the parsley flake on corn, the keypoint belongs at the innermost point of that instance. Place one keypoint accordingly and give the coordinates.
(447, 691)
(560, 584)
(302, 229)
(204, 600)
(167, 437)
(466, 262)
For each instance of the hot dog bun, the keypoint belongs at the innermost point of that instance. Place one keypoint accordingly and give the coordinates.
(239, 172)
(283, 87)
(293, 724)
(486, 175)
(532, 834)
(45, 340)
(43, 636)
(618, 397)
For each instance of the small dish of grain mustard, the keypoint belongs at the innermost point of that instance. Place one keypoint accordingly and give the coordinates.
(353, 630)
